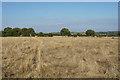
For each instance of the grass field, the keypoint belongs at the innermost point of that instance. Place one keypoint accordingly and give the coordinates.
(59, 57)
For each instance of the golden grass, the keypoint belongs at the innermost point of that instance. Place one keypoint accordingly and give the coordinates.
(59, 57)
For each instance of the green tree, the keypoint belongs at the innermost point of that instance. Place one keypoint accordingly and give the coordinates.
(118, 33)
(56, 34)
(24, 32)
(31, 32)
(8, 31)
(16, 31)
(90, 33)
(75, 35)
(0, 33)
(65, 32)
(41, 34)
(50, 35)
(78, 34)
(27, 32)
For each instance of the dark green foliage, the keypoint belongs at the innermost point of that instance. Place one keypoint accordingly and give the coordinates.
(0, 33)
(31, 31)
(65, 32)
(24, 32)
(78, 34)
(3, 33)
(8, 31)
(27, 32)
(118, 33)
(90, 33)
(75, 35)
(40, 34)
(56, 34)
(50, 35)
(16, 32)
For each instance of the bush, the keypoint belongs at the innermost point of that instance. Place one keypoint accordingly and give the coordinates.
(75, 35)
(118, 33)
(8, 31)
(90, 33)
(56, 34)
(40, 34)
(78, 34)
(50, 35)
(65, 32)
(18, 32)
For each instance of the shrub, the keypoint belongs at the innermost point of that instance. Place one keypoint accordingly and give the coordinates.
(50, 35)
(75, 35)
(65, 32)
(78, 34)
(41, 34)
(90, 33)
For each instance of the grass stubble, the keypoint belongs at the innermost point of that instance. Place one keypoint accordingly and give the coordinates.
(59, 57)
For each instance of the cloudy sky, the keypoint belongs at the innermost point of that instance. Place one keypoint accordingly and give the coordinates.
(52, 16)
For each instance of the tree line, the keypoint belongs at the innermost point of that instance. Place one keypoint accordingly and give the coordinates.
(30, 32)
(18, 32)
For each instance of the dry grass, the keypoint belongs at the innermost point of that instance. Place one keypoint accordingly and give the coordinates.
(59, 57)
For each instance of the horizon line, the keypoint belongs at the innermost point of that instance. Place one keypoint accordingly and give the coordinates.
(59, 31)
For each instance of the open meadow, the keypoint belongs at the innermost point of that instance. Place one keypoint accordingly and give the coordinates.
(59, 57)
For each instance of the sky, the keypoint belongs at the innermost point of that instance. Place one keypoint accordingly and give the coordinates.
(60, 0)
(53, 16)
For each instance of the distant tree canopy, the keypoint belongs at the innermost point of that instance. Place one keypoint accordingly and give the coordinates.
(31, 31)
(18, 32)
(90, 33)
(118, 33)
(27, 32)
(78, 34)
(50, 35)
(15, 32)
(7, 31)
(56, 34)
(65, 32)
(41, 34)
(24, 32)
